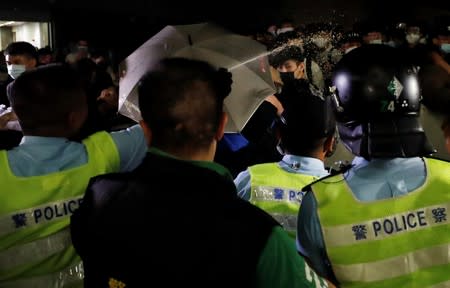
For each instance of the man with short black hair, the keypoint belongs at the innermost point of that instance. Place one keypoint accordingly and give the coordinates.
(178, 211)
(19, 56)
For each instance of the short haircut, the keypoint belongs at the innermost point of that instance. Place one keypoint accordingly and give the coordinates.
(21, 48)
(307, 120)
(181, 100)
(43, 97)
(282, 54)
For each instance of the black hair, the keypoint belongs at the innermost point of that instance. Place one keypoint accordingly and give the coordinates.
(21, 48)
(43, 97)
(182, 102)
(282, 54)
(307, 120)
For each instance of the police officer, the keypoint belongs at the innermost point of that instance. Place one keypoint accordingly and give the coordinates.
(306, 131)
(383, 222)
(44, 178)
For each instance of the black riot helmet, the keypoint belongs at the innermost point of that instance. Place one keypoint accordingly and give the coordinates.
(377, 98)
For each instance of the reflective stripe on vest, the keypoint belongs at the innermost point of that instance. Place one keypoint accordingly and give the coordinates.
(37, 208)
(35, 251)
(289, 222)
(72, 275)
(396, 242)
(445, 284)
(278, 192)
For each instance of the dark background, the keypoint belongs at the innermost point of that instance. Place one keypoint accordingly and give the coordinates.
(125, 24)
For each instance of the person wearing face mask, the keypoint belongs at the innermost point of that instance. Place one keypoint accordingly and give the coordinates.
(290, 63)
(349, 41)
(441, 39)
(320, 46)
(20, 56)
(434, 76)
(372, 32)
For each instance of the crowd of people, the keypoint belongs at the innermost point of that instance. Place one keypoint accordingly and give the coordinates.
(90, 199)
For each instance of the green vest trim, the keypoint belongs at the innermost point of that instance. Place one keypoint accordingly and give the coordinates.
(278, 192)
(34, 218)
(374, 244)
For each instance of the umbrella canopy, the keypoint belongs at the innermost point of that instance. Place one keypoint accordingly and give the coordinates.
(244, 57)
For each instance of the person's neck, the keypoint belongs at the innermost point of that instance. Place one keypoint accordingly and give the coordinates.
(191, 154)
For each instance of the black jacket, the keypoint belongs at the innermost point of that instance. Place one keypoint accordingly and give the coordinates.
(169, 223)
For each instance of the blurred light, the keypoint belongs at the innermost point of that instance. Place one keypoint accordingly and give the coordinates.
(342, 84)
(7, 23)
(413, 86)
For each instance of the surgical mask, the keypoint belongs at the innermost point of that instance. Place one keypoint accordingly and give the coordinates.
(350, 49)
(14, 70)
(285, 29)
(412, 38)
(287, 76)
(376, 41)
(82, 48)
(445, 47)
(320, 42)
(391, 43)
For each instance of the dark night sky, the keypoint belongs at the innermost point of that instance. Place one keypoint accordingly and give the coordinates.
(104, 21)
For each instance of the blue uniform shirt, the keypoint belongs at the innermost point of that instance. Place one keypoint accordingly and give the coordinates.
(43, 155)
(306, 165)
(369, 181)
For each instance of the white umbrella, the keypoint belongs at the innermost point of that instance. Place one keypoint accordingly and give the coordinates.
(244, 57)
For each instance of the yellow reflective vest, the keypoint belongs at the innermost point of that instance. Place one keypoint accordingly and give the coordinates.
(278, 192)
(396, 242)
(35, 243)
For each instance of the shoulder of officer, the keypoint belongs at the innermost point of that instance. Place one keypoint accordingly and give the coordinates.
(333, 172)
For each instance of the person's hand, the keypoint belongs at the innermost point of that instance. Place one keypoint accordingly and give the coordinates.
(272, 99)
(110, 96)
(7, 117)
(108, 100)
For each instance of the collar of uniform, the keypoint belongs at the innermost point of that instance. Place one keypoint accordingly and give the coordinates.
(305, 165)
(39, 140)
(205, 164)
(382, 167)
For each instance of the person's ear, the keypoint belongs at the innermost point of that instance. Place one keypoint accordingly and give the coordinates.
(32, 62)
(330, 145)
(221, 128)
(76, 119)
(446, 130)
(299, 73)
(147, 132)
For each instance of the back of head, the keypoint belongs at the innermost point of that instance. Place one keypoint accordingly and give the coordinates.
(43, 98)
(377, 97)
(181, 101)
(21, 48)
(307, 120)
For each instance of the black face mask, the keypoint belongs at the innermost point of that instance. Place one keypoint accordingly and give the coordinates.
(287, 76)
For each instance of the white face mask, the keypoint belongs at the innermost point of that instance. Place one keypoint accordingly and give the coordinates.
(284, 29)
(14, 70)
(350, 49)
(412, 38)
(445, 47)
(320, 42)
(376, 41)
